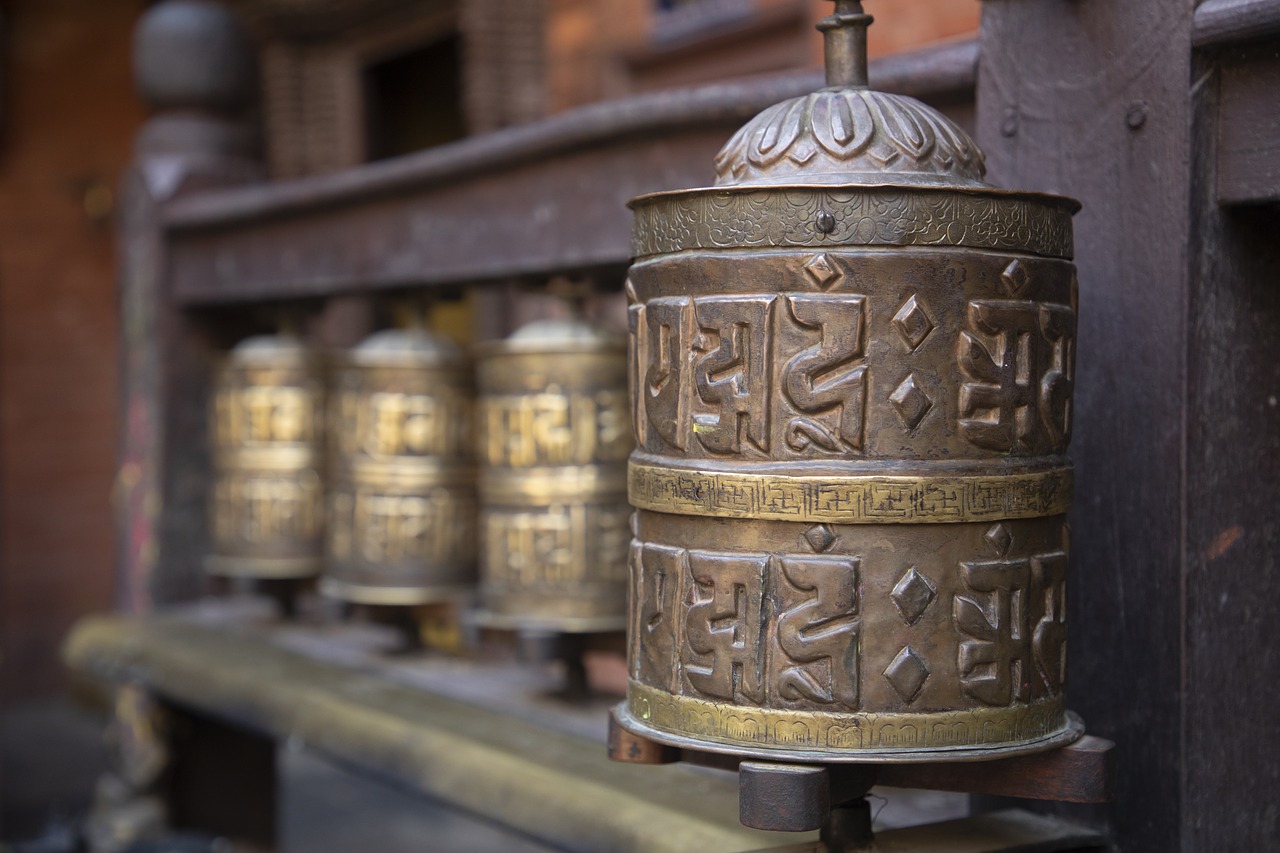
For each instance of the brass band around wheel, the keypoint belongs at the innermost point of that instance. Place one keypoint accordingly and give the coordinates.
(958, 735)
(944, 498)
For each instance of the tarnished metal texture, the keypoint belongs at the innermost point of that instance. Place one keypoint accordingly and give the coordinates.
(553, 443)
(266, 509)
(852, 369)
(402, 504)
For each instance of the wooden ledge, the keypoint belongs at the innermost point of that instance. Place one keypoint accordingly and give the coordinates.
(554, 786)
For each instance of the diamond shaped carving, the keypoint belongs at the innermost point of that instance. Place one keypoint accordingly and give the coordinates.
(913, 322)
(1000, 538)
(913, 595)
(820, 537)
(1016, 278)
(822, 270)
(912, 403)
(907, 674)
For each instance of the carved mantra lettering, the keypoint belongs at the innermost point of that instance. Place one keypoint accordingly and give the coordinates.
(1014, 622)
(263, 510)
(381, 528)
(563, 544)
(826, 378)
(263, 414)
(750, 628)
(706, 367)
(520, 431)
(1020, 359)
(395, 424)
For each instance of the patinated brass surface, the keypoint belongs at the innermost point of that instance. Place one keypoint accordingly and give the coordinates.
(852, 364)
(267, 502)
(554, 438)
(402, 505)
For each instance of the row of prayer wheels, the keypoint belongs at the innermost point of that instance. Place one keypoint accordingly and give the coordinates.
(851, 372)
(392, 469)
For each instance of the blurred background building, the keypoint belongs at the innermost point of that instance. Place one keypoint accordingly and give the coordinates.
(342, 82)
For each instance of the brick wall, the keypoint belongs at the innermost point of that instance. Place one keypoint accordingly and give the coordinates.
(605, 48)
(69, 119)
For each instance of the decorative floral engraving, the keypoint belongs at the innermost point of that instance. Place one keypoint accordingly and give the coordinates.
(845, 132)
(861, 216)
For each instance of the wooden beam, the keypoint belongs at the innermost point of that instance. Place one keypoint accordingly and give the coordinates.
(1220, 22)
(1249, 126)
(529, 201)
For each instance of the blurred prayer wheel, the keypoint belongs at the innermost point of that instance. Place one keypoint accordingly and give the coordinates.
(851, 366)
(267, 506)
(554, 439)
(402, 491)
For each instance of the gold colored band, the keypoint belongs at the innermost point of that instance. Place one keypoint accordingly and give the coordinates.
(431, 472)
(279, 457)
(550, 484)
(784, 217)
(812, 731)
(391, 596)
(851, 499)
(270, 568)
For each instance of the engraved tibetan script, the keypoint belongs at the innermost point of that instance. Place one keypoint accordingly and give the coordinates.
(730, 372)
(1020, 359)
(818, 632)
(384, 423)
(753, 628)
(1014, 624)
(751, 376)
(523, 430)
(264, 414)
(264, 509)
(366, 525)
(722, 625)
(828, 377)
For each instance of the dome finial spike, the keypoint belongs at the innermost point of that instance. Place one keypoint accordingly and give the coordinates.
(845, 43)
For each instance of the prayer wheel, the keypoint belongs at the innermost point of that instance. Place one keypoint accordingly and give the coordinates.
(402, 506)
(852, 367)
(267, 501)
(554, 438)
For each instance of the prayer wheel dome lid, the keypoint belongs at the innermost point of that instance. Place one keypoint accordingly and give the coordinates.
(270, 348)
(848, 134)
(414, 345)
(563, 335)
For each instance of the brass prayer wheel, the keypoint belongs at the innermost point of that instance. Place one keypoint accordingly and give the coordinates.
(554, 438)
(267, 501)
(851, 368)
(402, 505)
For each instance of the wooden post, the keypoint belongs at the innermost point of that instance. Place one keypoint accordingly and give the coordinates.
(1174, 596)
(194, 67)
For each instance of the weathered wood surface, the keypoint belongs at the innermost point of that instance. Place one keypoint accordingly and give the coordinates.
(1092, 99)
(1231, 548)
(193, 65)
(1083, 772)
(529, 201)
(1228, 21)
(1248, 123)
(1174, 594)
(1012, 831)
(305, 687)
